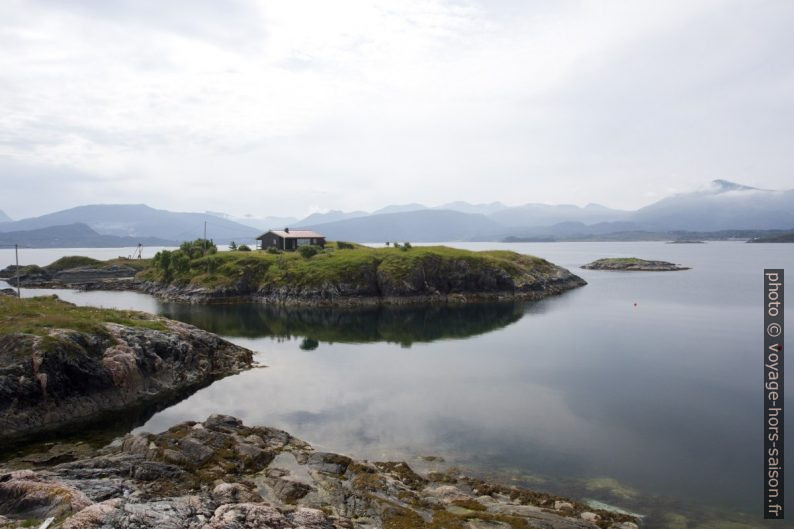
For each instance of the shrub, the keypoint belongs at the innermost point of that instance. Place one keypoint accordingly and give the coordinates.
(342, 245)
(243, 248)
(406, 246)
(180, 262)
(273, 250)
(307, 252)
(162, 260)
(198, 248)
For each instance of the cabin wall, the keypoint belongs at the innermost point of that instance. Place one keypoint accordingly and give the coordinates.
(275, 241)
(270, 241)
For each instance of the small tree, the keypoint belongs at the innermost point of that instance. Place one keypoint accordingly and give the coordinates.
(180, 262)
(406, 246)
(243, 248)
(162, 260)
(387, 243)
(233, 246)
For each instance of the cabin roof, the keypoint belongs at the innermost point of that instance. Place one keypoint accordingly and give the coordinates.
(294, 234)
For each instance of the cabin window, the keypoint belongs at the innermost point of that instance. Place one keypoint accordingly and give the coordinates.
(304, 242)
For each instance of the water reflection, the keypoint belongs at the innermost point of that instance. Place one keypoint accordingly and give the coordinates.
(404, 325)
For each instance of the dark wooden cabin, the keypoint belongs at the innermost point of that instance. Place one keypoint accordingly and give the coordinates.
(287, 239)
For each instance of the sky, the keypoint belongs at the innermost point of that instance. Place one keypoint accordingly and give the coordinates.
(292, 107)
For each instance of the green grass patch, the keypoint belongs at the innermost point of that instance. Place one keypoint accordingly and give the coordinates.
(337, 263)
(41, 314)
(72, 261)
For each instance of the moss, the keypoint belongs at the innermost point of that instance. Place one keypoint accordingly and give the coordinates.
(397, 517)
(472, 505)
(403, 473)
(41, 314)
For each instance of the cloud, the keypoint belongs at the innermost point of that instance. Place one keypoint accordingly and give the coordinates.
(276, 107)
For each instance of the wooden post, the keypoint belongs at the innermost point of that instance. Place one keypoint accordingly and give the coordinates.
(16, 255)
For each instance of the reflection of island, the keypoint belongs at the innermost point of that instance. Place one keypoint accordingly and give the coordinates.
(398, 324)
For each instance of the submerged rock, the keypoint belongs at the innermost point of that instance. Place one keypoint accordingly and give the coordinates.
(156, 481)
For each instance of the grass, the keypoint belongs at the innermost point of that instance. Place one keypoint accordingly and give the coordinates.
(41, 314)
(71, 261)
(621, 260)
(335, 265)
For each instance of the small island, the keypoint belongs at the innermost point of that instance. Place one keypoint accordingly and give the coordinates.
(633, 264)
(62, 365)
(337, 274)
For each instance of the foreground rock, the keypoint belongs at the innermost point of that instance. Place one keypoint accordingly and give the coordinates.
(222, 474)
(633, 264)
(61, 377)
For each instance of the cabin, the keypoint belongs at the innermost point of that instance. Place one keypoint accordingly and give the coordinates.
(287, 239)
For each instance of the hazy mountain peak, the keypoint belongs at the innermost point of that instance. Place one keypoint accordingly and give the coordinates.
(721, 185)
(4, 217)
(400, 208)
(467, 207)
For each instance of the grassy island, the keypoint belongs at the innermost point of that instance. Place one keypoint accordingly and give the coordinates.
(347, 263)
(339, 273)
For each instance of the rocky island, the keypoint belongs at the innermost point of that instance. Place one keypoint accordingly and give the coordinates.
(633, 264)
(340, 274)
(222, 474)
(62, 366)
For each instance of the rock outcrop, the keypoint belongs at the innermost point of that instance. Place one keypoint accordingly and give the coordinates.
(633, 264)
(67, 376)
(111, 277)
(427, 284)
(220, 474)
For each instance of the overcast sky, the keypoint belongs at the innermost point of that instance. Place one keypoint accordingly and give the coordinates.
(289, 107)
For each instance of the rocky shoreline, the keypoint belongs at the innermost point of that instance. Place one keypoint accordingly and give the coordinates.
(63, 377)
(222, 474)
(632, 264)
(468, 286)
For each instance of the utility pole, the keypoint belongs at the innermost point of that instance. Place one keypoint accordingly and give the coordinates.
(205, 246)
(16, 255)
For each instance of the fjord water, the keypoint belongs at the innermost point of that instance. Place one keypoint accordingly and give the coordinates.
(641, 389)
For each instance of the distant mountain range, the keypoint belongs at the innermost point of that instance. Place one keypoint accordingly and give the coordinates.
(424, 225)
(4, 217)
(724, 207)
(76, 235)
(138, 220)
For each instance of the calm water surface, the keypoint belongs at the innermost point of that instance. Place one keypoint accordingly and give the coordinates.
(655, 406)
